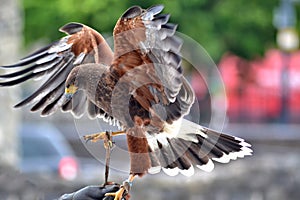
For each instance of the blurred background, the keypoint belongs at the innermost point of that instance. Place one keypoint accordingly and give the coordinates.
(255, 47)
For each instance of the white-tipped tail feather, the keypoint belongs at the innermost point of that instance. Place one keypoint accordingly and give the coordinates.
(185, 144)
(208, 167)
(188, 172)
(171, 171)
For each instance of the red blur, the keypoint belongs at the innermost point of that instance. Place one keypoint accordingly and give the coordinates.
(255, 89)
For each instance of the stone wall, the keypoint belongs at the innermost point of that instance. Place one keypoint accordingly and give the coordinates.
(272, 173)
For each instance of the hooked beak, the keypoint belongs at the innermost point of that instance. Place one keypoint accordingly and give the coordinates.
(68, 96)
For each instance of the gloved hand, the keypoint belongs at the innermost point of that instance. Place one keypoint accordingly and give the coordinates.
(92, 193)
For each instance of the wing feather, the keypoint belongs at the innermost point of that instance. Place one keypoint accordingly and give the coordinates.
(48, 98)
(52, 107)
(53, 63)
(59, 76)
(147, 53)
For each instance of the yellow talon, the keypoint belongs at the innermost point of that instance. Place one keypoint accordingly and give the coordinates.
(106, 136)
(118, 195)
(123, 192)
(94, 137)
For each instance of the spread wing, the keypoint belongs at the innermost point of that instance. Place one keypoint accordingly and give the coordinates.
(147, 56)
(53, 64)
(147, 60)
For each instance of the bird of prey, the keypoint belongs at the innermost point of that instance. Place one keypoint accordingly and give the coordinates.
(140, 87)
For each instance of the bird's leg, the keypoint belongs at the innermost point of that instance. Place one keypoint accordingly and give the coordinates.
(108, 145)
(124, 189)
(101, 136)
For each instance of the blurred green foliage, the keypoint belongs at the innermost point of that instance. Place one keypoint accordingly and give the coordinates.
(239, 26)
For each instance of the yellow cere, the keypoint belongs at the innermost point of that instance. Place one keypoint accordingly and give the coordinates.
(71, 89)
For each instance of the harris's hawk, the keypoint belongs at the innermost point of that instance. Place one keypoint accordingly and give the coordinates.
(140, 87)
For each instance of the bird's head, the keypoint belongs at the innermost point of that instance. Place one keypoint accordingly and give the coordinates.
(72, 83)
(84, 77)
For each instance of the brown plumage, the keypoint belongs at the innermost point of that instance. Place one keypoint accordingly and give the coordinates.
(140, 86)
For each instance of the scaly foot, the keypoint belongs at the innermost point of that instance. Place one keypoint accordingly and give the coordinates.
(119, 195)
(123, 192)
(106, 136)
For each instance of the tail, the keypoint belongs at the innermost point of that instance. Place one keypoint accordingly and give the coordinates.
(194, 145)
